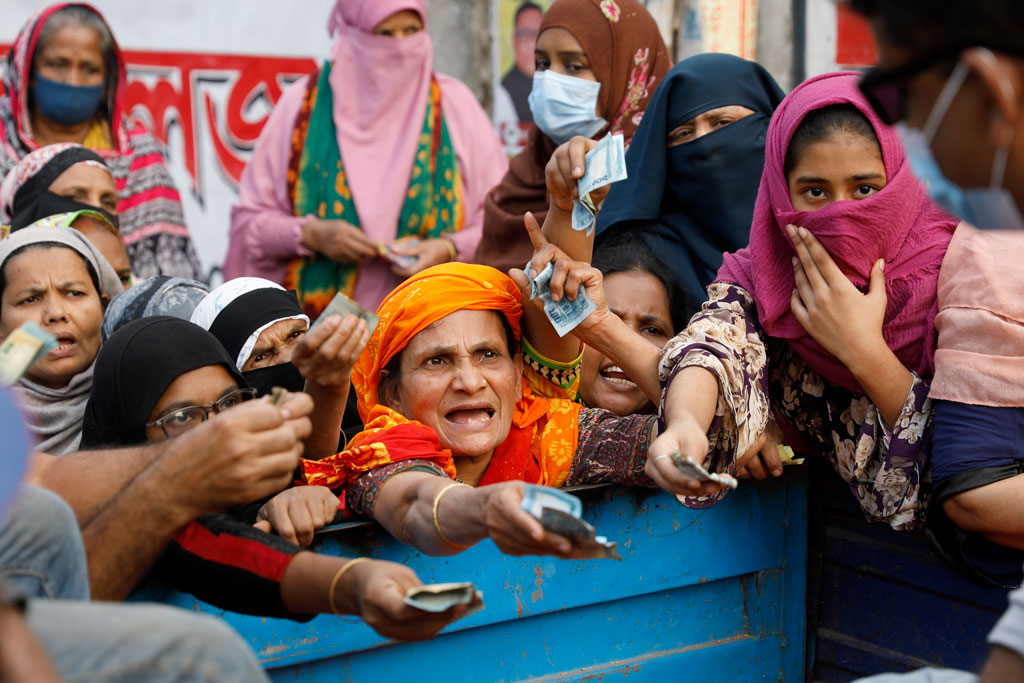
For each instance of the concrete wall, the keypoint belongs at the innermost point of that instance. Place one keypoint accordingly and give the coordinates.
(461, 33)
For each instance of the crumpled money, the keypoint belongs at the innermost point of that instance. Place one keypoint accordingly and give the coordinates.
(605, 164)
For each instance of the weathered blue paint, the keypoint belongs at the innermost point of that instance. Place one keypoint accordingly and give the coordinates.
(885, 600)
(712, 594)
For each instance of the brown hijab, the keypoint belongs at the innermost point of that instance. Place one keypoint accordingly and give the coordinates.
(629, 58)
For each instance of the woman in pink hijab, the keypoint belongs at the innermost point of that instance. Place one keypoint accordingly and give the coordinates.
(369, 170)
(819, 334)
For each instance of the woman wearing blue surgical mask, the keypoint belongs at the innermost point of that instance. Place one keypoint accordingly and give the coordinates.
(65, 81)
(598, 63)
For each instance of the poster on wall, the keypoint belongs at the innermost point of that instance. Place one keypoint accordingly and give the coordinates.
(515, 24)
(728, 26)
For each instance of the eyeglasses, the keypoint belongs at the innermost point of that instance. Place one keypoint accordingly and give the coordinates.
(886, 89)
(180, 421)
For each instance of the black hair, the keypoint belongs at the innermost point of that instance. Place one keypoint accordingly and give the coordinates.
(390, 374)
(34, 246)
(824, 124)
(526, 6)
(628, 249)
(939, 24)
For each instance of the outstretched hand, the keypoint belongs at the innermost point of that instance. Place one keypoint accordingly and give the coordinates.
(566, 279)
(564, 170)
(845, 321)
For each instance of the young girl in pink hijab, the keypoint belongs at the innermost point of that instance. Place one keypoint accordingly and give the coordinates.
(374, 149)
(819, 333)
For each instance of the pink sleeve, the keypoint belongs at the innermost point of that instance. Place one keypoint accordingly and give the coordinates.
(482, 159)
(265, 234)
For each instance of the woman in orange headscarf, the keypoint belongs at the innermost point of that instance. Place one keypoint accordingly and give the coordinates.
(453, 427)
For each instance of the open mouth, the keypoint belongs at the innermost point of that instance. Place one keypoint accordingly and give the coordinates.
(65, 345)
(470, 416)
(615, 375)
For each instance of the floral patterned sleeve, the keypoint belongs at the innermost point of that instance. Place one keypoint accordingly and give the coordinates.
(612, 449)
(884, 466)
(361, 495)
(725, 339)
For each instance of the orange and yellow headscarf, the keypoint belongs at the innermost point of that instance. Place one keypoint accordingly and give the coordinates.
(544, 434)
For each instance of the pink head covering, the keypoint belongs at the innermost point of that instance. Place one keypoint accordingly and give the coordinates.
(380, 86)
(899, 224)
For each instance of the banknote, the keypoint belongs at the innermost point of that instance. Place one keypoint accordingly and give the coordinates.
(397, 258)
(581, 533)
(22, 349)
(438, 597)
(342, 305)
(693, 469)
(559, 512)
(564, 314)
(537, 498)
(605, 164)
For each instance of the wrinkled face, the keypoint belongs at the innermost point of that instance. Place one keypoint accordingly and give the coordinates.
(89, 185)
(108, 244)
(558, 50)
(525, 39)
(400, 25)
(459, 379)
(72, 56)
(200, 387)
(276, 344)
(709, 121)
(843, 167)
(52, 287)
(642, 302)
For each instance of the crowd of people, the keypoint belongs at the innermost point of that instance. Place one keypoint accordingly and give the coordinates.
(811, 273)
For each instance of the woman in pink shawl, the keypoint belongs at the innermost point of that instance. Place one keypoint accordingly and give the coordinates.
(819, 333)
(369, 170)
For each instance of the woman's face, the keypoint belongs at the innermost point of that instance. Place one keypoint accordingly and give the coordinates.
(843, 167)
(459, 379)
(400, 25)
(89, 185)
(73, 55)
(276, 344)
(559, 51)
(111, 246)
(52, 287)
(642, 302)
(200, 387)
(705, 123)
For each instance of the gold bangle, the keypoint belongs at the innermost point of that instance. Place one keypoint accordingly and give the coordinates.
(437, 522)
(334, 582)
(453, 252)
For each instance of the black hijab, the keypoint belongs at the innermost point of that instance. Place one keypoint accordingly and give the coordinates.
(697, 199)
(133, 370)
(33, 201)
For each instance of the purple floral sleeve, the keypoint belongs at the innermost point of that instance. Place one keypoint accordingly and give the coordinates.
(883, 466)
(723, 338)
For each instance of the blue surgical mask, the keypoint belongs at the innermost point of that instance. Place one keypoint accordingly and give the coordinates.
(991, 207)
(64, 103)
(565, 106)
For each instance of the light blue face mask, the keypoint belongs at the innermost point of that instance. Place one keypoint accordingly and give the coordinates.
(989, 207)
(565, 106)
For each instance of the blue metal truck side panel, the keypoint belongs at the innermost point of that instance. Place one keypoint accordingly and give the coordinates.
(700, 594)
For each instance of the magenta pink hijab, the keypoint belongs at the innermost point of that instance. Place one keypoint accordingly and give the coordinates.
(899, 224)
(381, 86)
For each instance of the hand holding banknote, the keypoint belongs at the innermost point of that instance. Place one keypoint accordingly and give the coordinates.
(564, 171)
(329, 350)
(570, 292)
